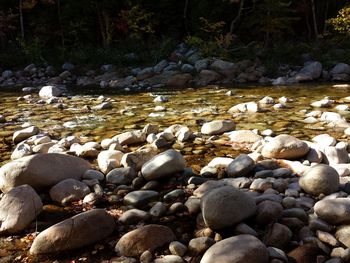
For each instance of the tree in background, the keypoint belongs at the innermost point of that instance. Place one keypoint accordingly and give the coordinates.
(341, 23)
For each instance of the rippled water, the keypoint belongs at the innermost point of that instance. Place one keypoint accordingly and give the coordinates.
(190, 107)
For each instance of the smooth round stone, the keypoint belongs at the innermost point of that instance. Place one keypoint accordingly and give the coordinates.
(240, 166)
(320, 179)
(68, 190)
(217, 127)
(158, 209)
(149, 237)
(140, 198)
(199, 245)
(23, 134)
(121, 176)
(237, 249)
(162, 165)
(133, 216)
(334, 211)
(226, 206)
(169, 259)
(177, 248)
(343, 235)
(93, 174)
(285, 147)
(268, 211)
(278, 236)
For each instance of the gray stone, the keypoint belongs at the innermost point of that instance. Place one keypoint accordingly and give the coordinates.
(78, 231)
(334, 211)
(199, 245)
(320, 179)
(120, 176)
(226, 206)
(285, 147)
(68, 190)
(241, 166)
(41, 170)
(133, 216)
(25, 133)
(140, 198)
(218, 127)
(237, 249)
(267, 212)
(48, 92)
(163, 165)
(149, 237)
(177, 248)
(18, 208)
(278, 235)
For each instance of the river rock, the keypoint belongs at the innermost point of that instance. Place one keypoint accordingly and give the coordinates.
(199, 245)
(312, 69)
(138, 158)
(18, 208)
(163, 165)
(108, 160)
(133, 216)
(334, 211)
(278, 235)
(149, 237)
(130, 137)
(340, 68)
(285, 147)
(68, 190)
(241, 166)
(41, 170)
(336, 155)
(237, 249)
(267, 212)
(218, 127)
(23, 134)
(245, 107)
(140, 198)
(177, 248)
(306, 253)
(320, 179)
(343, 235)
(244, 136)
(120, 176)
(75, 232)
(48, 92)
(226, 206)
(206, 77)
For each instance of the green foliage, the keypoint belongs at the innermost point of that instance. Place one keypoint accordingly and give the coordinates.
(138, 20)
(341, 23)
(33, 49)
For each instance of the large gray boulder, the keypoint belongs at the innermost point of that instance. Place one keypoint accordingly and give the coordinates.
(149, 237)
(334, 211)
(320, 179)
(285, 147)
(41, 170)
(75, 232)
(226, 206)
(311, 71)
(163, 165)
(18, 208)
(218, 127)
(237, 249)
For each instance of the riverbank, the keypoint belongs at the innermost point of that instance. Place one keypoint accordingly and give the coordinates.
(184, 67)
(159, 164)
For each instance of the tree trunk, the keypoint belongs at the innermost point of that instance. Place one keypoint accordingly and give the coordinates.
(238, 16)
(185, 17)
(21, 19)
(60, 24)
(314, 18)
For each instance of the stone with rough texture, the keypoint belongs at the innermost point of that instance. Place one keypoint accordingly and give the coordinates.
(218, 127)
(18, 208)
(149, 237)
(320, 179)
(68, 190)
(75, 232)
(285, 147)
(163, 165)
(334, 211)
(226, 206)
(237, 249)
(41, 170)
